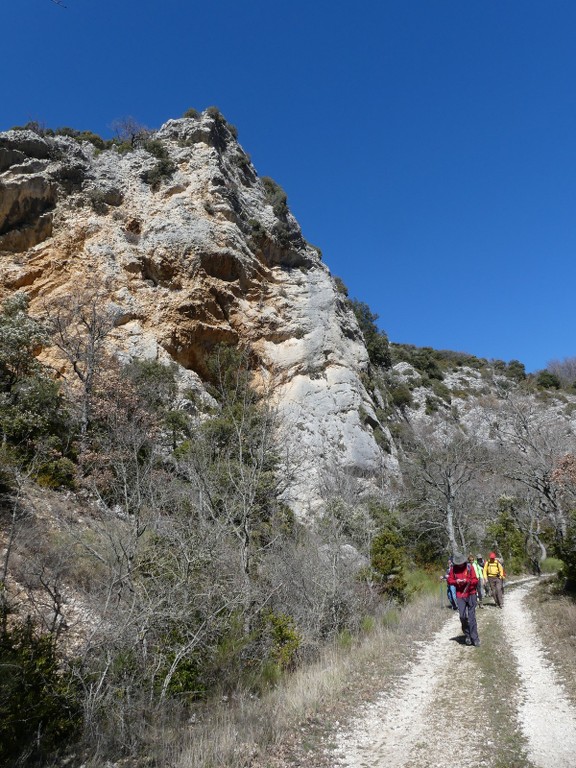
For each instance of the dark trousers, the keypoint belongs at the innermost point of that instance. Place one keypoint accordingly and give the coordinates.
(467, 610)
(496, 590)
(479, 591)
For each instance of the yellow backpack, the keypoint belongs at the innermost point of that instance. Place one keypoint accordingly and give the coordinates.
(494, 569)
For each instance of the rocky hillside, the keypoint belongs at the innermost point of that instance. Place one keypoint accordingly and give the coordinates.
(187, 247)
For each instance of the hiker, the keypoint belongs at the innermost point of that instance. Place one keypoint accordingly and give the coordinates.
(494, 575)
(450, 588)
(480, 575)
(463, 576)
(485, 588)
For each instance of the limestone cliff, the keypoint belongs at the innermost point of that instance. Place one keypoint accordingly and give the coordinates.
(191, 248)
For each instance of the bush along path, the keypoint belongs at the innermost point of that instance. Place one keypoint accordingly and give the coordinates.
(501, 705)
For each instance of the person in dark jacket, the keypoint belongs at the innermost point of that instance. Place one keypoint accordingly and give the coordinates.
(464, 578)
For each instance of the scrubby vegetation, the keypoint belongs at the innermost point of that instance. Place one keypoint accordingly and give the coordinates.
(194, 577)
(376, 341)
(164, 168)
(123, 141)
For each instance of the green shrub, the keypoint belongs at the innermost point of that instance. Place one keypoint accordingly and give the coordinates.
(122, 147)
(425, 359)
(34, 423)
(58, 472)
(548, 380)
(382, 439)
(441, 390)
(506, 537)
(282, 233)
(401, 396)
(39, 707)
(551, 565)
(376, 341)
(81, 136)
(345, 639)
(270, 676)
(387, 558)
(516, 370)
(391, 618)
(189, 679)
(242, 161)
(367, 624)
(215, 113)
(192, 113)
(340, 286)
(156, 148)
(285, 639)
(421, 580)
(567, 551)
(35, 127)
(163, 170)
(275, 196)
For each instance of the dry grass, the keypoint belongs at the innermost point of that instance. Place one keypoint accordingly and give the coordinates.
(291, 724)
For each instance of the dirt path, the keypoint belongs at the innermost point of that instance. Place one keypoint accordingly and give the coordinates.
(501, 705)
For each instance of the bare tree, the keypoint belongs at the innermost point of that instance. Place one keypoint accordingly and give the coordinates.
(532, 440)
(441, 469)
(79, 326)
(128, 129)
(233, 465)
(564, 369)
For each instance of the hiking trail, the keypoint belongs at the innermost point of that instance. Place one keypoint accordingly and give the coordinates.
(502, 704)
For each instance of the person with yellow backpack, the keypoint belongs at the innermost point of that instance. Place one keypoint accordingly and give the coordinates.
(494, 575)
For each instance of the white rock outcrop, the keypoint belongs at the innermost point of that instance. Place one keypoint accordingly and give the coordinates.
(189, 248)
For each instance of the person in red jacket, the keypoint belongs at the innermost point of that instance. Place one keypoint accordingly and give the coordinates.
(464, 578)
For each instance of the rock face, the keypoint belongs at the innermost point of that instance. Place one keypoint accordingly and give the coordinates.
(26, 195)
(190, 248)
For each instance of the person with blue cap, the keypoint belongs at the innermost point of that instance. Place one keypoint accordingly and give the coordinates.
(450, 589)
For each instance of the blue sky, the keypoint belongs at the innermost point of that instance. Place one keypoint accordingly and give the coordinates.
(428, 147)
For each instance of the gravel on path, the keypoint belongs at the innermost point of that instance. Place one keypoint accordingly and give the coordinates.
(420, 723)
